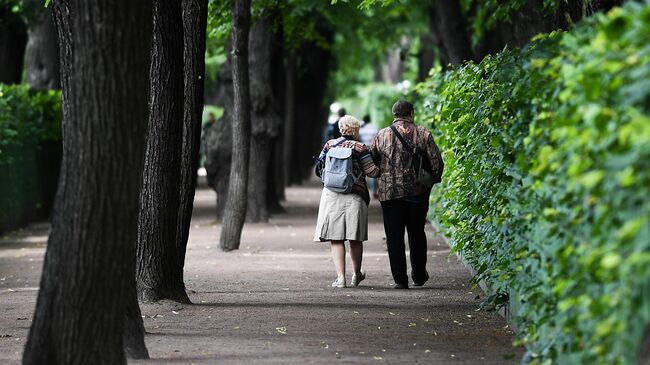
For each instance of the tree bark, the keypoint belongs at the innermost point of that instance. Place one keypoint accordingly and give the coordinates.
(42, 52)
(13, 38)
(157, 271)
(89, 262)
(265, 121)
(195, 13)
(449, 28)
(235, 212)
(133, 334)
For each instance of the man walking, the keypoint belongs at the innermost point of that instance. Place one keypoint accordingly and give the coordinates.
(405, 201)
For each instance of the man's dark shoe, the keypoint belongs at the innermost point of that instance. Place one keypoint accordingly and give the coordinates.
(420, 283)
(400, 286)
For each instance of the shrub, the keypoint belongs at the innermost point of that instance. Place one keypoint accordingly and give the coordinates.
(28, 115)
(547, 153)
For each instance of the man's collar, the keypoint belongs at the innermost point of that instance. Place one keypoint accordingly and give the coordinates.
(401, 119)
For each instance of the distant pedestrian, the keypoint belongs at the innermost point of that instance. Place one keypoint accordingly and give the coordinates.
(343, 211)
(333, 130)
(404, 199)
(367, 132)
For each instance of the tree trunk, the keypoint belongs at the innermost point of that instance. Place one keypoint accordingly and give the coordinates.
(13, 38)
(157, 271)
(42, 52)
(265, 121)
(310, 110)
(195, 13)
(426, 56)
(133, 334)
(275, 189)
(449, 28)
(89, 262)
(235, 212)
(289, 117)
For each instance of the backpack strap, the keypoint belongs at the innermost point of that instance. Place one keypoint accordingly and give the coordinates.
(339, 143)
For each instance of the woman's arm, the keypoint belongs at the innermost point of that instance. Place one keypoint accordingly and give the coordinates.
(367, 163)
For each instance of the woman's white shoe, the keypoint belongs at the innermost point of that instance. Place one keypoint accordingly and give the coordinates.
(357, 278)
(339, 282)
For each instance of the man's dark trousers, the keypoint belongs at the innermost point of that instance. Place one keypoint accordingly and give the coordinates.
(398, 215)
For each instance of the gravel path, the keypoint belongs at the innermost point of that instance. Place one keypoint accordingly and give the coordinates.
(270, 302)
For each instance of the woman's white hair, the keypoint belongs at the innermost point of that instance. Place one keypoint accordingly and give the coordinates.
(349, 125)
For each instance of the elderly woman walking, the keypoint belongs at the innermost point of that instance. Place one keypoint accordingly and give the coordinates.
(343, 211)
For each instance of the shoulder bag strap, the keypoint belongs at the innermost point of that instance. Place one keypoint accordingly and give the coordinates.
(401, 139)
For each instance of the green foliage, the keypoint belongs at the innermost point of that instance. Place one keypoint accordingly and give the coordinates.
(547, 153)
(489, 13)
(28, 115)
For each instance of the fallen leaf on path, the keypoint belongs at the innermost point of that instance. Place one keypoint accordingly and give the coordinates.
(427, 351)
(281, 330)
(378, 358)
(412, 324)
(174, 312)
(391, 313)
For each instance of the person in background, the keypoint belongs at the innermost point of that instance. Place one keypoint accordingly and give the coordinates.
(404, 201)
(333, 130)
(344, 216)
(367, 134)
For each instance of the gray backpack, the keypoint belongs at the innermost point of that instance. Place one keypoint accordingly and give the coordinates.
(338, 175)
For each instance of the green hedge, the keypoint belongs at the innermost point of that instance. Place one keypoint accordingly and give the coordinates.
(30, 153)
(545, 193)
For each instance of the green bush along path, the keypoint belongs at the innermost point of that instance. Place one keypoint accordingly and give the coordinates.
(30, 153)
(547, 153)
(271, 301)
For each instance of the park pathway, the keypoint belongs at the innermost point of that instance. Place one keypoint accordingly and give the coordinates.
(270, 302)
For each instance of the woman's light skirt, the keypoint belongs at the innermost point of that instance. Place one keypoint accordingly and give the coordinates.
(341, 217)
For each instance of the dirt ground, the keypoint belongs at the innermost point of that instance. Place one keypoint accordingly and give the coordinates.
(271, 301)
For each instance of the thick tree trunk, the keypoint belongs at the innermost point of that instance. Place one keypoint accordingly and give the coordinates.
(42, 52)
(13, 38)
(265, 121)
(157, 273)
(89, 263)
(449, 28)
(195, 13)
(235, 212)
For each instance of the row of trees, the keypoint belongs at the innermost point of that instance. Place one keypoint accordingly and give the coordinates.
(303, 54)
